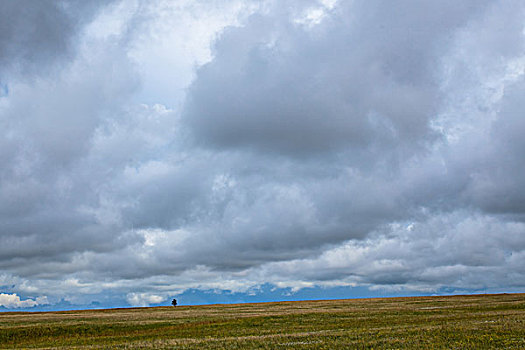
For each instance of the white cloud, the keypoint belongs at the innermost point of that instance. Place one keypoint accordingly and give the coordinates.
(13, 301)
(144, 299)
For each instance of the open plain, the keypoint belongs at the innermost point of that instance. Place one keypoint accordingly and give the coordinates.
(443, 322)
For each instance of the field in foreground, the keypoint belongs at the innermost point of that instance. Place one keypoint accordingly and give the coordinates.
(476, 321)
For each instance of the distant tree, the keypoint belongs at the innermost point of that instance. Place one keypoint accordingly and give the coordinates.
(174, 302)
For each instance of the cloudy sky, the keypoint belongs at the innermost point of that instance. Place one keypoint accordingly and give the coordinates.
(228, 150)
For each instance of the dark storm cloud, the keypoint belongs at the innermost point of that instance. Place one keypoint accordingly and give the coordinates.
(459, 249)
(366, 78)
(32, 33)
(48, 118)
(35, 34)
(376, 144)
(499, 187)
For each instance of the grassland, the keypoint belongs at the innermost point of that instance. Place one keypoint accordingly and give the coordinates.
(453, 322)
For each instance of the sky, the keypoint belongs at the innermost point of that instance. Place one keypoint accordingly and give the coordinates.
(238, 150)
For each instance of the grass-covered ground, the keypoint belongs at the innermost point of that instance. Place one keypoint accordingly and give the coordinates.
(455, 322)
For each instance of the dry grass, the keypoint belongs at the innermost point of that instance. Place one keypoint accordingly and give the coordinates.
(477, 321)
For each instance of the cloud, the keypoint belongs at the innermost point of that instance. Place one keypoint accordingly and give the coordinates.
(34, 36)
(311, 144)
(456, 249)
(363, 79)
(13, 301)
(144, 299)
(499, 188)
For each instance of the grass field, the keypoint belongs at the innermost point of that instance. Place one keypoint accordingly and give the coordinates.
(454, 322)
